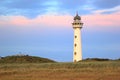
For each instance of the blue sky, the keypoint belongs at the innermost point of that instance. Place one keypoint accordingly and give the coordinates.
(43, 28)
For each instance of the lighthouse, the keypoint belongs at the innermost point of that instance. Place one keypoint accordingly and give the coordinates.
(77, 26)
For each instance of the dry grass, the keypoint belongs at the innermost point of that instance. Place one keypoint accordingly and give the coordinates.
(109, 70)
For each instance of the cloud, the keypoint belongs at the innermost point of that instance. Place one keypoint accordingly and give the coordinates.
(44, 20)
(22, 4)
(105, 4)
(91, 22)
(28, 8)
(115, 9)
(33, 8)
(104, 22)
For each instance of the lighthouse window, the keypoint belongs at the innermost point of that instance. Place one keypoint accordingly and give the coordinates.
(75, 36)
(74, 60)
(75, 53)
(75, 45)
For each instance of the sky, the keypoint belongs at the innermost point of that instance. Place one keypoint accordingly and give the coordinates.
(43, 28)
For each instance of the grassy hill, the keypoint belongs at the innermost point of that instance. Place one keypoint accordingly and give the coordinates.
(24, 59)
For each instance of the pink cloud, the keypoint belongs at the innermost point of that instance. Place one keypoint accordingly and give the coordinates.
(20, 20)
(14, 20)
(45, 20)
(54, 21)
(105, 21)
(101, 21)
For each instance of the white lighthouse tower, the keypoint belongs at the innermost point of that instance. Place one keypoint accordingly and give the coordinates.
(77, 26)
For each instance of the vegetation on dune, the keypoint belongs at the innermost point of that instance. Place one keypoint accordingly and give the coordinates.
(96, 59)
(99, 59)
(25, 67)
(99, 70)
(24, 59)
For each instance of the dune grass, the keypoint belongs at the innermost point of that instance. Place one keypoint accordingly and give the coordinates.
(91, 70)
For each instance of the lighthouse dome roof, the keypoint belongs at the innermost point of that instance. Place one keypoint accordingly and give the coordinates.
(77, 17)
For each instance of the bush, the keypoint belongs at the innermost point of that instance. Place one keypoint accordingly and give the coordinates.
(96, 59)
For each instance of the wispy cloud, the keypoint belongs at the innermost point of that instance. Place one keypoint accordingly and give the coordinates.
(34, 8)
(114, 9)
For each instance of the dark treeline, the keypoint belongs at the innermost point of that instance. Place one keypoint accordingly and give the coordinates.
(100, 59)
